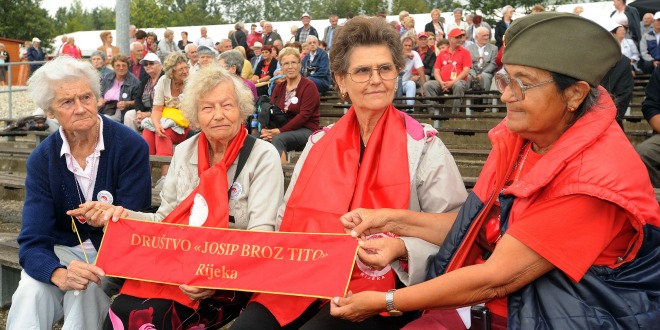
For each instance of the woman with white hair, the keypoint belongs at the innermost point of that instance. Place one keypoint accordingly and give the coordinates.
(98, 62)
(204, 167)
(503, 24)
(233, 61)
(167, 45)
(90, 158)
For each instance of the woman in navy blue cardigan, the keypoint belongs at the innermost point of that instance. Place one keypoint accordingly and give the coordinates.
(89, 158)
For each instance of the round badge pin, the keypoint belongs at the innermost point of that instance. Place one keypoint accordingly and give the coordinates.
(124, 95)
(294, 100)
(104, 196)
(236, 190)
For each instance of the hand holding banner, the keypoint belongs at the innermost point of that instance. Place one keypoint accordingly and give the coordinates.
(299, 264)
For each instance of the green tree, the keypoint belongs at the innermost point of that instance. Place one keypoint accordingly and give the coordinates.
(411, 6)
(24, 20)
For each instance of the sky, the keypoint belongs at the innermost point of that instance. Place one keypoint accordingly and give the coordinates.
(53, 5)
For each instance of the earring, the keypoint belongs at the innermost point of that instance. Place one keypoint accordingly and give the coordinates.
(571, 108)
(343, 95)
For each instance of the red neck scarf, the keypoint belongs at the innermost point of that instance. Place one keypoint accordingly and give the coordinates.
(334, 181)
(194, 210)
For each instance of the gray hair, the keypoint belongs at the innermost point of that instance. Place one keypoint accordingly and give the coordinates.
(188, 46)
(135, 43)
(233, 58)
(311, 37)
(506, 8)
(483, 28)
(99, 53)
(41, 86)
(202, 82)
(458, 10)
(239, 26)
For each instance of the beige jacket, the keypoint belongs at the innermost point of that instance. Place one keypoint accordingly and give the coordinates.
(260, 186)
(437, 187)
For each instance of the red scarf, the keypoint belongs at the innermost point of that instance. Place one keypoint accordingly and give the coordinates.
(212, 190)
(334, 181)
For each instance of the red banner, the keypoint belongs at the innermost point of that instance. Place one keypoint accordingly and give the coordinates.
(299, 264)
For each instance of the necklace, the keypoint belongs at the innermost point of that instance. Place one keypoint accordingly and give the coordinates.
(522, 163)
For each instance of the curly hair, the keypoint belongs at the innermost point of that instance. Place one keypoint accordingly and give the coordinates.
(171, 61)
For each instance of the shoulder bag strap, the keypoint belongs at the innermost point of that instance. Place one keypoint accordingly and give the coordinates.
(248, 144)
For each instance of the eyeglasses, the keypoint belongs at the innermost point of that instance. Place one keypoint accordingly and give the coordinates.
(287, 64)
(363, 73)
(502, 80)
(149, 63)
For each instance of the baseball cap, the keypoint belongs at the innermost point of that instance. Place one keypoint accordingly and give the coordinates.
(150, 57)
(423, 35)
(456, 32)
(35, 39)
(257, 44)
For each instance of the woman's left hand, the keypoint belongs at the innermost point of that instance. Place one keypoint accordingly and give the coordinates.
(122, 105)
(380, 252)
(268, 134)
(358, 307)
(196, 294)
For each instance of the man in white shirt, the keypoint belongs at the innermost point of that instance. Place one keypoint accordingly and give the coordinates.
(408, 86)
(204, 40)
(193, 58)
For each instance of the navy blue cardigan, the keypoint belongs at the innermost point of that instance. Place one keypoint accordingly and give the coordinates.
(50, 191)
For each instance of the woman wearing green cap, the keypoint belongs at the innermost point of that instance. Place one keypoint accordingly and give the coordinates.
(561, 229)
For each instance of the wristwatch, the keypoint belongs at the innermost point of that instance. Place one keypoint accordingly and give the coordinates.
(389, 303)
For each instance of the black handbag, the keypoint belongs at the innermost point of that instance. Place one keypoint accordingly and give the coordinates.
(270, 115)
(108, 108)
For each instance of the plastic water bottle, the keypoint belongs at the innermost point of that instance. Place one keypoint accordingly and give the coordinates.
(254, 126)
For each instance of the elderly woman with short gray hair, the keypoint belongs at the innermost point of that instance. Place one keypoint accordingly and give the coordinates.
(98, 62)
(233, 61)
(204, 167)
(89, 158)
(167, 46)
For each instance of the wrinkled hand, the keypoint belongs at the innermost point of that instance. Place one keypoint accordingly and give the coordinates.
(364, 222)
(268, 134)
(141, 115)
(76, 276)
(380, 252)
(97, 214)
(196, 294)
(358, 307)
(121, 105)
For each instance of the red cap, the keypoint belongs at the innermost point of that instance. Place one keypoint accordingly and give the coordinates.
(422, 35)
(456, 32)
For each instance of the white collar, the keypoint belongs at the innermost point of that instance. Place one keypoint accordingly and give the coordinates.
(66, 147)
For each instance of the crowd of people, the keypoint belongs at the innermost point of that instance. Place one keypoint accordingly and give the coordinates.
(378, 174)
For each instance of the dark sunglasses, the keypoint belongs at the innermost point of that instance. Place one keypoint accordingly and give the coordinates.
(148, 63)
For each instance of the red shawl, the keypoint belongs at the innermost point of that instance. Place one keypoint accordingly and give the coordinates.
(194, 210)
(334, 181)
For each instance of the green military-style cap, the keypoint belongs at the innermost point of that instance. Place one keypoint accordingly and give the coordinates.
(562, 43)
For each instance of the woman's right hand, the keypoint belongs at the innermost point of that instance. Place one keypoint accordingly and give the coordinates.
(160, 131)
(365, 222)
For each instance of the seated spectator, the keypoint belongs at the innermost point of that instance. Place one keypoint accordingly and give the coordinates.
(450, 71)
(316, 66)
(184, 41)
(649, 46)
(71, 49)
(167, 126)
(265, 70)
(193, 57)
(256, 48)
(141, 37)
(167, 45)
(628, 47)
(305, 49)
(441, 45)
(560, 230)
(206, 56)
(426, 50)
(480, 76)
(247, 67)
(413, 61)
(152, 42)
(89, 156)
(649, 150)
(619, 81)
(300, 101)
(435, 26)
(98, 62)
(277, 46)
(145, 97)
(137, 54)
(374, 155)
(213, 99)
(107, 47)
(120, 87)
(233, 62)
(409, 23)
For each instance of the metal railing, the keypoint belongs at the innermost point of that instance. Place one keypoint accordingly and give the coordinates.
(10, 90)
